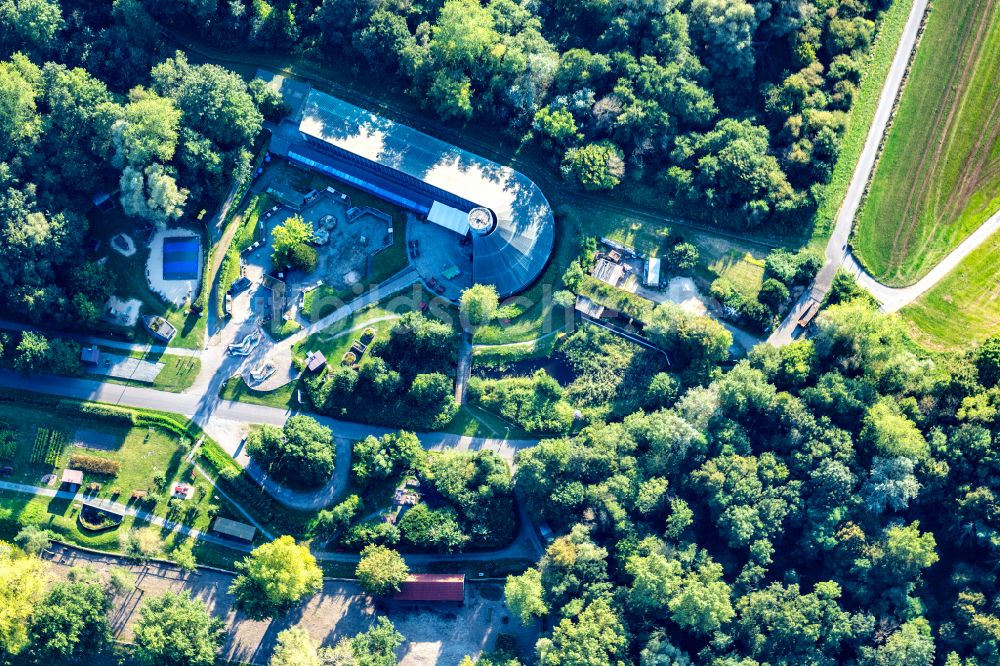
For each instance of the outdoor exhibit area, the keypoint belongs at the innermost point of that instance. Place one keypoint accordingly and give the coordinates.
(938, 177)
(345, 236)
(349, 242)
(496, 223)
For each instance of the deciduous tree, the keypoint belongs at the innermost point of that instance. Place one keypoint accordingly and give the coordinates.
(177, 630)
(274, 577)
(381, 570)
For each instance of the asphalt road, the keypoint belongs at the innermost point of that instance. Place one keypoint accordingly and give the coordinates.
(837, 250)
(241, 412)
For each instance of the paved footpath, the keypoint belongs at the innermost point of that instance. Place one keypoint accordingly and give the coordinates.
(142, 515)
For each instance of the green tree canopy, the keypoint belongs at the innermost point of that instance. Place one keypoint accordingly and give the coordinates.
(479, 304)
(177, 630)
(381, 570)
(71, 622)
(302, 453)
(275, 576)
(22, 586)
(595, 166)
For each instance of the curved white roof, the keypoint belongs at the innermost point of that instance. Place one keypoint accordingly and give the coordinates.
(511, 257)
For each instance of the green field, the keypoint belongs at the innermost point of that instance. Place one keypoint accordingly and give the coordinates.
(152, 460)
(938, 178)
(964, 308)
(874, 68)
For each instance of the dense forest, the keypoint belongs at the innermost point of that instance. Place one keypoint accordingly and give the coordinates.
(735, 106)
(84, 112)
(833, 501)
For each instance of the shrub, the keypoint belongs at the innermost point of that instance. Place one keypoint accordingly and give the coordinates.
(110, 413)
(535, 404)
(371, 532)
(94, 464)
(436, 529)
(773, 294)
(8, 443)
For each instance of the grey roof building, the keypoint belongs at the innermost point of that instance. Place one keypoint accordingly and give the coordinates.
(509, 219)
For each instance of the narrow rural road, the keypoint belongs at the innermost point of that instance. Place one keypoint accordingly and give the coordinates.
(837, 250)
(893, 298)
(838, 253)
(239, 412)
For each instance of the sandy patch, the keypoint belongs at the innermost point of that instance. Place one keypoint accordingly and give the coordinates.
(683, 292)
(435, 634)
(174, 291)
(123, 245)
(121, 312)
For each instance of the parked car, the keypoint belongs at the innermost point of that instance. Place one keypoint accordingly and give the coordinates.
(241, 285)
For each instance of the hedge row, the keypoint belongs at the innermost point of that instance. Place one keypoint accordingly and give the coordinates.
(94, 464)
(119, 415)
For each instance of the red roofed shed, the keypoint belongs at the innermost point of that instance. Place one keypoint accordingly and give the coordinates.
(432, 587)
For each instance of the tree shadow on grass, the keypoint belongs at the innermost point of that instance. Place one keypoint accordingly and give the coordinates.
(58, 506)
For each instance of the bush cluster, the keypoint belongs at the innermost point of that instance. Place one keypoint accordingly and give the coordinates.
(94, 464)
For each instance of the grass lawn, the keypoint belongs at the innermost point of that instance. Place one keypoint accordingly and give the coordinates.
(744, 270)
(130, 281)
(152, 460)
(237, 390)
(473, 421)
(178, 373)
(60, 516)
(333, 341)
(938, 178)
(963, 309)
(247, 222)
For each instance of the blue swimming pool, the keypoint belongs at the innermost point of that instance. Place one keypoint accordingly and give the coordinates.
(181, 258)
